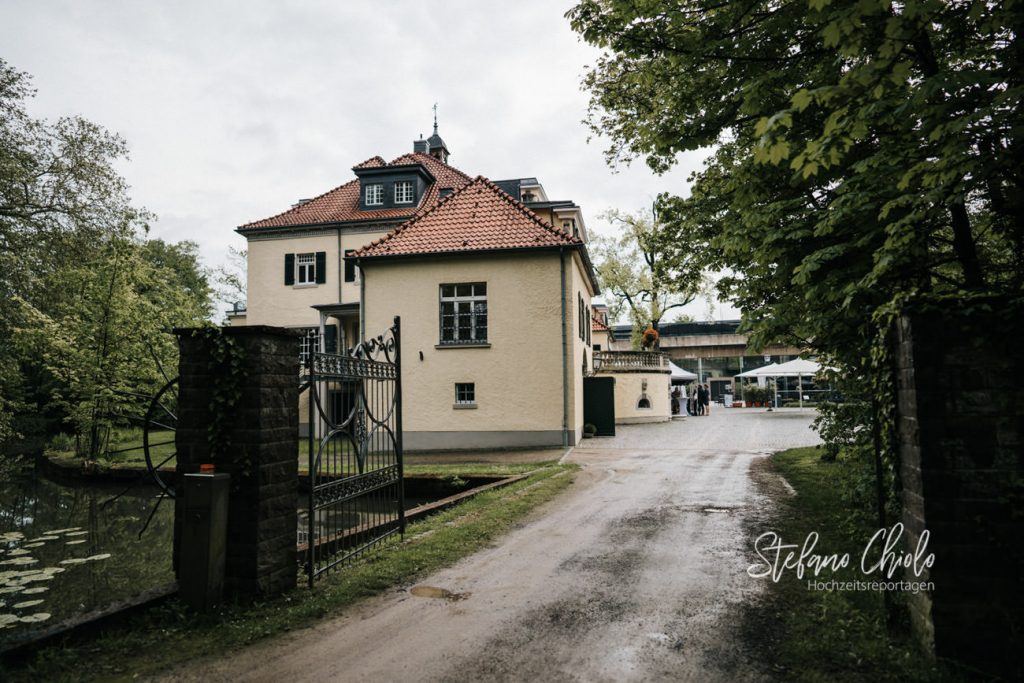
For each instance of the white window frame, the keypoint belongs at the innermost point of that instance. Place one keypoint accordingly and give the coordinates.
(305, 269)
(405, 197)
(374, 194)
(472, 305)
(465, 397)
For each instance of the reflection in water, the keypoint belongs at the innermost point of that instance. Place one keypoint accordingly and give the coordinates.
(63, 552)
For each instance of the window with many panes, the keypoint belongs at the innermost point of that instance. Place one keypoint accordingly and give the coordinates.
(404, 192)
(309, 343)
(374, 194)
(465, 393)
(464, 313)
(305, 269)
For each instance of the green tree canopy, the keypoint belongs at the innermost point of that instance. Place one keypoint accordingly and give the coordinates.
(635, 269)
(85, 299)
(864, 150)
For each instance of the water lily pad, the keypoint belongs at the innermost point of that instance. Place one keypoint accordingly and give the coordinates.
(17, 552)
(27, 603)
(37, 589)
(20, 561)
(8, 619)
(38, 544)
(81, 540)
(11, 589)
(77, 533)
(101, 556)
(12, 536)
(54, 532)
(73, 560)
(35, 618)
(37, 577)
(44, 538)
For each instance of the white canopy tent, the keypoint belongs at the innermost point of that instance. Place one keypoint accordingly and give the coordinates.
(795, 368)
(679, 375)
(798, 367)
(765, 371)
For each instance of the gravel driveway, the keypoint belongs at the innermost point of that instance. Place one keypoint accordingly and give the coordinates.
(635, 573)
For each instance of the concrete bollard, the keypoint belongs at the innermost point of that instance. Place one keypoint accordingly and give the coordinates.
(204, 528)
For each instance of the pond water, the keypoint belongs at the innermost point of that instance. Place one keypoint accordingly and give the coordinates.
(69, 549)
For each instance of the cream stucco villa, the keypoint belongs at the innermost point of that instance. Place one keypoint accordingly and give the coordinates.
(492, 280)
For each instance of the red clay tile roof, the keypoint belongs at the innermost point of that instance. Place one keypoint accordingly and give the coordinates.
(372, 162)
(342, 203)
(478, 217)
(598, 326)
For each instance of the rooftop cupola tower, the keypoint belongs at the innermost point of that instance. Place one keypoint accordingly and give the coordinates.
(435, 145)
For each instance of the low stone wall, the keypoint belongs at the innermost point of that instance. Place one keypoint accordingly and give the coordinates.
(632, 387)
(960, 428)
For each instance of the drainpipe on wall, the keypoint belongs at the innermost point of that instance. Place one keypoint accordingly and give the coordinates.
(362, 305)
(565, 356)
(340, 259)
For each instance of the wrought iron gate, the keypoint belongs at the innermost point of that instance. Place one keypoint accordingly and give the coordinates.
(356, 494)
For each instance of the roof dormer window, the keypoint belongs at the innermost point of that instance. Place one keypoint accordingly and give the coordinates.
(405, 192)
(374, 194)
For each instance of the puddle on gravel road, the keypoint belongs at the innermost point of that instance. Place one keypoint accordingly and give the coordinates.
(439, 593)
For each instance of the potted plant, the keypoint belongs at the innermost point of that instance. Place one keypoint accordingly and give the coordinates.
(589, 431)
(649, 338)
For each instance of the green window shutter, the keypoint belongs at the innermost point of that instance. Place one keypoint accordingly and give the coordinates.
(350, 266)
(289, 269)
(330, 339)
(321, 267)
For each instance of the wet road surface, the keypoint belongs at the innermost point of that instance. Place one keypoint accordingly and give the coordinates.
(635, 573)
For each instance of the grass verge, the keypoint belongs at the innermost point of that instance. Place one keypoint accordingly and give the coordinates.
(813, 635)
(171, 634)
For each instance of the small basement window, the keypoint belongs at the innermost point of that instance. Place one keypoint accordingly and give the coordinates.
(465, 393)
(644, 403)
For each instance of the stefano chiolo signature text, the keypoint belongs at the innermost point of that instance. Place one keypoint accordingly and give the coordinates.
(883, 555)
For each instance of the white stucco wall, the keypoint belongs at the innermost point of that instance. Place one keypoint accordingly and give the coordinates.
(518, 378)
(629, 389)
(579, 287)
(271, 302)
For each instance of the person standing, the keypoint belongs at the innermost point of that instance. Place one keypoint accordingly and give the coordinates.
(702, 398)
(707, 400)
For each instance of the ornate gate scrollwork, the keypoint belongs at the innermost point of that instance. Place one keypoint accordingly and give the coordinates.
(356, 495)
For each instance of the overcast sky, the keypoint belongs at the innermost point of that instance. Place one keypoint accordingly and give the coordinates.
(235, 110)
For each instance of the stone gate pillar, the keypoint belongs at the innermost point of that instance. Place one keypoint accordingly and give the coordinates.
(960, 425)
(260, 432)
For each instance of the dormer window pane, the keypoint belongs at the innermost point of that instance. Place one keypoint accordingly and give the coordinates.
(375, 194)
(404, 192)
